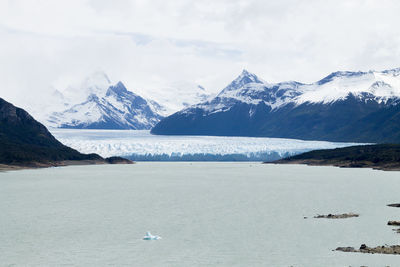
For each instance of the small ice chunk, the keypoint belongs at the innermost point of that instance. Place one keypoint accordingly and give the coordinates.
(149, 236)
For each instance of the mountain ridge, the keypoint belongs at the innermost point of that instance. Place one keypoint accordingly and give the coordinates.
(116, 108)
(98, 103)
(329, 109)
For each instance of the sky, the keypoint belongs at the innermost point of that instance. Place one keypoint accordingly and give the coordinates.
(148, 44)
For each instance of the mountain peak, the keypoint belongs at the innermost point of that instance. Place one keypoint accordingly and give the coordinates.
(118, 89)
(244, 78)
(246, 73)
(93, 98)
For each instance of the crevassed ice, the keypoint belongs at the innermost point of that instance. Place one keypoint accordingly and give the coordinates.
(140, 142)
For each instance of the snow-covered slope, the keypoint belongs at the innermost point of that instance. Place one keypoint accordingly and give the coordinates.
(96, 83)
(177, 95)
(324, 110)
(379, 86)
(97, 104)
(248, 88)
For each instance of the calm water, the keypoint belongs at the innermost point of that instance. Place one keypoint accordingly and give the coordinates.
(208, 214)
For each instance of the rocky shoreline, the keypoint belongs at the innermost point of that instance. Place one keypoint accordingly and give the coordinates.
(385, 157)
(340, 164)
(386, 249)
(64, 163)
(365, 249)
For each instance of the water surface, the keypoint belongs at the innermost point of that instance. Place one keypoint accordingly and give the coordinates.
(208, 214)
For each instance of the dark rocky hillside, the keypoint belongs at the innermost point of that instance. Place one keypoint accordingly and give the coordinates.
(26, 142)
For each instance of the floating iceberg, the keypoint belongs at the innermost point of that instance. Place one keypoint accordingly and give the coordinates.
(149, 236)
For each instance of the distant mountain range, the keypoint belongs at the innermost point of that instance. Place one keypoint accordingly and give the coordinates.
(344, 106)
(97, 103)
(117, 109)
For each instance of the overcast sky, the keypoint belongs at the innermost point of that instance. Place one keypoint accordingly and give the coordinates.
(150, 43)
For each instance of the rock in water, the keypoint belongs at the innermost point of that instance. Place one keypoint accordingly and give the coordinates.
(337, 216)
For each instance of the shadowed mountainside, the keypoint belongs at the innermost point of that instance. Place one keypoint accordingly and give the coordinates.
(359, 107)
(26, 142)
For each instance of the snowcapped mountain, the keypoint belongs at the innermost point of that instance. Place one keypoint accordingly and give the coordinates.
(248, 88)
(95, 84)
(97, 104)
(177, 95)
(344, 106)
(367, 86)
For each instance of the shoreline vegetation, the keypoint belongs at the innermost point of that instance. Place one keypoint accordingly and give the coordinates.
(384, 157)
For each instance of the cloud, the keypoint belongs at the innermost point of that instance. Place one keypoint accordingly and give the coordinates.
(151, 43)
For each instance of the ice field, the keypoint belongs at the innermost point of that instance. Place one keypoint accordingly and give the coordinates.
(141, 145)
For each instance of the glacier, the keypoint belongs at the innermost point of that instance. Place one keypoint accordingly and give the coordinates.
(140, 145)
